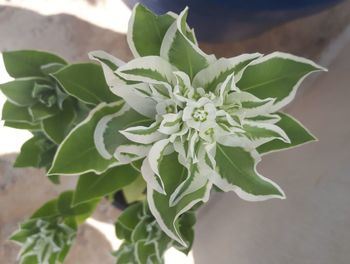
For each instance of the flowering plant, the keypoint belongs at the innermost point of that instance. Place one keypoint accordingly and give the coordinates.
(174, 124)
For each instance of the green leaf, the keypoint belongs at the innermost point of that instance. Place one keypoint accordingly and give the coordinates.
(277, 75)
(127, 221)
(107, 136)
(30, 154)
(146, 31)
(178, 49)
(260, 133)
(236, 171)
(143, 134)
(135, 191)
(48, 152)
(48, 209)
(80, 212)
(21, 235)
(77, 153)
(14, 113)
(19, 92)
(125, 254)
(47, 69)
(150, 69)
(296, 132)
(40, 111)
(36, 152)
(55, 179)
(86, 82)
(217, 72)
(58, 126)
(20, 125)
(27, 63)
(109, 65)
(91, 186)
(144, 252)
(42, 91)
(172, 174)
(186, 226)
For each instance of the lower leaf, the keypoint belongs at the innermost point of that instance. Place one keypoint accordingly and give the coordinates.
(295, 131)
(167, 217)
(236, 171)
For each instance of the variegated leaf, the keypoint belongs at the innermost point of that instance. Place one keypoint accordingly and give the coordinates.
(277, 75)
(167, 217)
(109, 65)
(174, 44)
(295, 131)
(79, 146)
(150, 69)
(107, 136)
(141, 103)
(260, 133)
(128, 153)
(146, 31)
(236, 171)
(142, 134)
(150, 166)
(217, 72)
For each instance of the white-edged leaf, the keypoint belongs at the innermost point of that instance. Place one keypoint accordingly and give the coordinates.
(28, 63)
(142, 134)
(58, 126)
(146, 31)
(150, 69)
(180, 51)
(277, 75)
(101, 127)
(217, 72)
(295, 131)
(267, 118)
(128, 153)
(109, 65)
(249, 104)
(19, 91)
(86, 82)
(141, 103)
(154, 158)
(14, 113)
(77, 153)
(236, 171)
(40, 111)
(193, 182)
(167, 217)
(260, 133)
(171, 123)
(183, 84)
(107, 136)
(153, 181)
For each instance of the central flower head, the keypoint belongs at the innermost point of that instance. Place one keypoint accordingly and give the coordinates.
(200, 115)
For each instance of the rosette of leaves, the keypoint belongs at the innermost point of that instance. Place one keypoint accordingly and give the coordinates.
(36, 102)
(191, 120)
(47, 236)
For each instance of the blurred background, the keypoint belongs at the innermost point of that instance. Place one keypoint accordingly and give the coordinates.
(312, 226)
